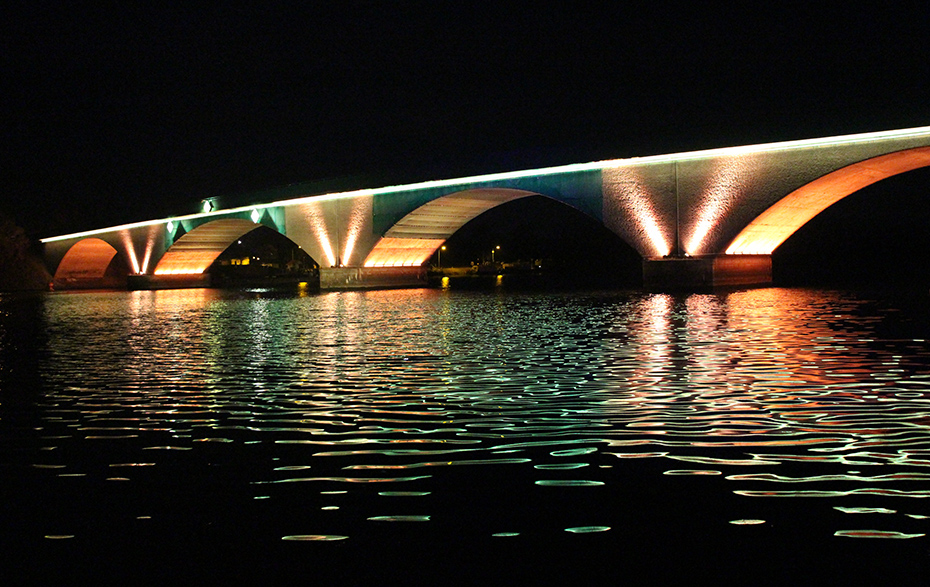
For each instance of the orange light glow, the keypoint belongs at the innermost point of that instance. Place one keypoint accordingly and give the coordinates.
(189, 264)
(416, 236)
(771, 228)
(649, 224)
(147, 258)
(194, 252)
(130, 251)
(710, 213)
(87, 259)
(723, 188)
(361, 208)
(149, 247)
(629, 192)
(316, 219)
(402, 252)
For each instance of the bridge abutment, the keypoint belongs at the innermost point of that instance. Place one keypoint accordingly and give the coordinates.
(372, 277)
(707, 271)
(145, 282)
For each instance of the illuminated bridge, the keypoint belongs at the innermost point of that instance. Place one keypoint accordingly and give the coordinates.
(703, 218)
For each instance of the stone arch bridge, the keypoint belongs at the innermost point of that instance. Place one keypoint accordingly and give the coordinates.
(702, 218)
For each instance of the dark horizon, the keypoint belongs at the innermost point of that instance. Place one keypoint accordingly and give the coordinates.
(129, 114)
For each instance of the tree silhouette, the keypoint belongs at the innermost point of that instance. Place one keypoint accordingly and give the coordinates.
(21, 267)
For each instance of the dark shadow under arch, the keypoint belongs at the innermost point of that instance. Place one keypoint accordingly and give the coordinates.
(414, 239)
(541, 234)
(263, 257)
(416, 236)
(876, 238)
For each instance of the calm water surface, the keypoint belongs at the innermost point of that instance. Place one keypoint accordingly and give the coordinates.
(764, 434)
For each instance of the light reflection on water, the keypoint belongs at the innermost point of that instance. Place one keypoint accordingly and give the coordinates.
(332, 399)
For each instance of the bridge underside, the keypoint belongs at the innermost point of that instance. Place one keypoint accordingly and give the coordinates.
(415, 238)
(90, 264)
(194, 252)
(771, 228)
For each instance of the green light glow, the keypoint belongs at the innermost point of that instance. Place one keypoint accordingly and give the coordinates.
(314, 537)
(399, 518)
(864, 510)
(876, 534)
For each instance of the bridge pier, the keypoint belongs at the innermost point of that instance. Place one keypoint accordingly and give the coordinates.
(332, 278)
(708, 271)
(371, 277)
(135, 282)
(106, 282)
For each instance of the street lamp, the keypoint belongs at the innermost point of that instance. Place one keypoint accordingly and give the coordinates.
(441, 249)
(494, 250)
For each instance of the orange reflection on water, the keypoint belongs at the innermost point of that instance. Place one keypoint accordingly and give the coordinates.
(651, 333)
(748, 363)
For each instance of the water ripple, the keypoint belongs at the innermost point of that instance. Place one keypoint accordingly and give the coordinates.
(760, 387)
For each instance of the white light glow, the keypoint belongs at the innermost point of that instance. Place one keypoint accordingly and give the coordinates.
(723, 187)
(360, 207)
(178, 271)
(316, 219)
(572, 168)
(149, 247)
(627, 190)
(130, 252)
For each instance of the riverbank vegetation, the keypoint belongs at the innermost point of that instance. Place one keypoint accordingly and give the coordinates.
(21, 267)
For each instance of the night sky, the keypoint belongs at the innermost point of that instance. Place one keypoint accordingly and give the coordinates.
(114, 113)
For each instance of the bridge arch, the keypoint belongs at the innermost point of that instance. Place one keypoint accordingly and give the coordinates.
(416, 236)
(90, 262)
(196, 251)
(771, 228)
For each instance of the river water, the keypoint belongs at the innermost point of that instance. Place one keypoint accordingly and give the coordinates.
(392, 436)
